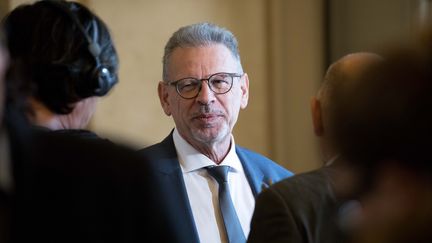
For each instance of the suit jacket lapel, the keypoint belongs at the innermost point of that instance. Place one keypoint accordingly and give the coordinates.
(174, 194)
(254, 174)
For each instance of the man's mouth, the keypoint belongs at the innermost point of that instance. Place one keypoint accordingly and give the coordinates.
(207, 117)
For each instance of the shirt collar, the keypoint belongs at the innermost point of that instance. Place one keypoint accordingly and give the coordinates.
(191, 159)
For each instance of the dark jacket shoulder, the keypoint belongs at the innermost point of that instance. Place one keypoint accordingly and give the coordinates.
(317, 183)
(273, 169)
(160, 150)
(301, 208)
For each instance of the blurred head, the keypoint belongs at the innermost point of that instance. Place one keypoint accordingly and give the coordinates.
(59, 49)
(386, 130)
(204, 86)
(339, 78)
(387, 113)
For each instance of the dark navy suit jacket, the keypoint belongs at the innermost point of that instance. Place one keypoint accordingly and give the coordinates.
(72, 187)
(174, 221)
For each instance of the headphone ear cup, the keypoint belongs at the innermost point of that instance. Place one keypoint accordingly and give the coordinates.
(87, 84)
(104, 80)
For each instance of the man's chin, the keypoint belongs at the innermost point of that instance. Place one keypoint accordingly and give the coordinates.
(209, 137)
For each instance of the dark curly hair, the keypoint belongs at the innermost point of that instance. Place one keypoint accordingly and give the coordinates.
(50, 60)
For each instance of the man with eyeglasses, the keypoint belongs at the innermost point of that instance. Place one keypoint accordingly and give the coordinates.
(206, 183)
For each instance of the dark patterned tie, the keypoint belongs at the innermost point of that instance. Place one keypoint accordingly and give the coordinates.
(232, 224)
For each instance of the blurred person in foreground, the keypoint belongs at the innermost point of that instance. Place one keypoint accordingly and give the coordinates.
(64, 58)
(208, 183)
(306, 207)
(5, 163)
(387, 132)
(63, 187)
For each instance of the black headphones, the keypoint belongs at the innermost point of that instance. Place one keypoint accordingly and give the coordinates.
(99, 80)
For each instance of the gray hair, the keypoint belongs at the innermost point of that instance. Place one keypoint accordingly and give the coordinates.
(197, 35)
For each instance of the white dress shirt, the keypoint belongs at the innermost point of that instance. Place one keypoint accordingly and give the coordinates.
(202, 190)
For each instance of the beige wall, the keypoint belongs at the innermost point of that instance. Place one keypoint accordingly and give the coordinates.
(4, 7)
(369, 24)
(296, 49)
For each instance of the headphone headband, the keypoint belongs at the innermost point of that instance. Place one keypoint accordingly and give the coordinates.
(100, 77)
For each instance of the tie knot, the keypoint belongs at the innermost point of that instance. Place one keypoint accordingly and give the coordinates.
(220, 173)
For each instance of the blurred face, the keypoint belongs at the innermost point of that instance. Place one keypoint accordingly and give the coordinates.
(398, 208)
(208, 118)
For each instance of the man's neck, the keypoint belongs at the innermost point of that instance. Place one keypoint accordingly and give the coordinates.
(328, 152)
(48, 120)
(216, 151)
(43, 117)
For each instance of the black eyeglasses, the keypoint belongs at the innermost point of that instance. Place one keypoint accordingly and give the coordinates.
(219, 83)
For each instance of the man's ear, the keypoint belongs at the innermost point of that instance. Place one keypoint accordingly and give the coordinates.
(317, 120)
(163, 97)
(244, 86)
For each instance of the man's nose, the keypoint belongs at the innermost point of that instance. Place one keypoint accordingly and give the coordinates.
(205, 95)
